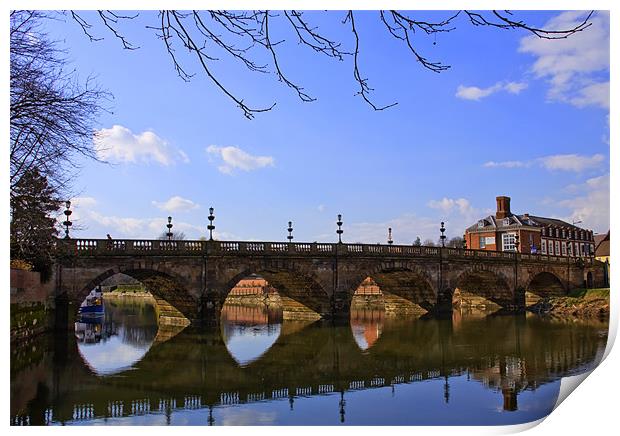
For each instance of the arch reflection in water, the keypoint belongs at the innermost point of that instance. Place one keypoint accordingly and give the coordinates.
(115, 342)
(366, 326)
(249, 331)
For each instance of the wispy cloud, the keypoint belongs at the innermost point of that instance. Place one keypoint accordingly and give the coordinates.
(235, 158)
(577, 68)
(592, 207)
(119, 144)
(558, 162)
(176, 204)
(475, 93)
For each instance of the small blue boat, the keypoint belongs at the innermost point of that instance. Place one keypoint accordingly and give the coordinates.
(93, 304)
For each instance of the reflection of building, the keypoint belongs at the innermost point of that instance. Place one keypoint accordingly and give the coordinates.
(366, 326)
(253, 285)
(601, 252)
(534, 234)
(88, 332)
(508, 375)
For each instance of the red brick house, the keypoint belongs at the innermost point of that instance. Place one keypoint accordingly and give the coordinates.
(533, 234)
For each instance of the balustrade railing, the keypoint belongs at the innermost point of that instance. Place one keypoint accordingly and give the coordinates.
(94, 247)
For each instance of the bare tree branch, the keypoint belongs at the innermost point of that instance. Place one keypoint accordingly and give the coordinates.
(241, 34)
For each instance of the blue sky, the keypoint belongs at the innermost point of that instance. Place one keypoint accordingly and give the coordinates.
(515, 115)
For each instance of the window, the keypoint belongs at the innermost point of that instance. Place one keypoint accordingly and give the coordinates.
(570, 248)
(592, 250)
(563, 248)
(481, 223)
(557, 233)
(543, 246)
(551, 248)
(483, 242)
(544, 231)
(506, 221)
(570, 234)
(578, 251)
(508, 242)
(563, 233)
(557, 248)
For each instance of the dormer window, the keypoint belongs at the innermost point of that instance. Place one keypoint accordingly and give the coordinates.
(506, 221)
(557, 233)
(481, 223)
(544, 231)
(563, 233)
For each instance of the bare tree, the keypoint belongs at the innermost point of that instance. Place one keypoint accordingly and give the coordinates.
(176, 236)
(429, 243)
(245, 36)
(52, 114)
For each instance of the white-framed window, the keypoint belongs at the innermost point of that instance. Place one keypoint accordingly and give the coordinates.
(543, 246)
(551, 248)
(506, 221)
(570, 248)
(578, 250)
(481, 223)
(557, 233)
(483, 241)
(563, 248)
(592, 249)
(557, 248)
(508, 242)
(563, 233)
(544, 231)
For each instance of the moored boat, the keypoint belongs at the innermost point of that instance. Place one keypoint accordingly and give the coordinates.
(93, 304)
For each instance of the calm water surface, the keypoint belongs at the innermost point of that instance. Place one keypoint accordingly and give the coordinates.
(258, 369)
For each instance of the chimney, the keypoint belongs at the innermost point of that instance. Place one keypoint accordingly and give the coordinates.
(503, 207)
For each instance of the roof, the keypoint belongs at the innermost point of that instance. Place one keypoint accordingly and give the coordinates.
(490, 222)
(602, 245)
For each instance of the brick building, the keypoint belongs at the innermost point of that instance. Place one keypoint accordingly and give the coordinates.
(533, 234)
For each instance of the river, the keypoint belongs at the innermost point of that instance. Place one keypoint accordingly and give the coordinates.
(256, 368)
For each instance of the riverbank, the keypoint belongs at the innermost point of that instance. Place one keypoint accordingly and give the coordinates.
(583, 303)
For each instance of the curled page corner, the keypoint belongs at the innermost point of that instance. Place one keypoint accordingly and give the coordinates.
(568, 385)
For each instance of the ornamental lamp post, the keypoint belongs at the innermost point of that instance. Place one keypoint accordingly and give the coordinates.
(67, 223)
(389, 239)
(339, 231)
(169, 225)
(442, 237)
(517, 243)
(211, 227)
(290, 231)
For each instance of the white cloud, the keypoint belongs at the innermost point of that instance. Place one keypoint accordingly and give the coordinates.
(235, 158)
(559, 162)
(476, 93)
(321, 208)
(447, 205)
(515, 87)
(176, 204)
(118, 144)
(593, 206)
(577, 67)
(571, 162)
(506, 164)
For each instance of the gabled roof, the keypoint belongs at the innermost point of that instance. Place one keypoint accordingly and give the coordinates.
(602, 245)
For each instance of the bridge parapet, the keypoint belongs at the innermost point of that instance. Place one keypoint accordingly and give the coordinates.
(105, 247)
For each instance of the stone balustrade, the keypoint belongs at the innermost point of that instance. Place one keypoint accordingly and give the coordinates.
(104, 247)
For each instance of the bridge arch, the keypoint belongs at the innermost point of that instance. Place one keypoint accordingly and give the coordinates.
(546, 284)
(405, 286)
(171, 296)
(481, 286)
(301, 293)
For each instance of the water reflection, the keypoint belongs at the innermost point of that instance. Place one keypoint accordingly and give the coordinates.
(249, 332)
(258, 369)
(366, 326)
(114, 342)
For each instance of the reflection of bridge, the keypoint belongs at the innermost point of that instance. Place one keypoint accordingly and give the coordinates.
(514, 354)
(196, 276)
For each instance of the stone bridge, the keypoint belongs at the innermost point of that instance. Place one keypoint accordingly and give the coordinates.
(316, 279)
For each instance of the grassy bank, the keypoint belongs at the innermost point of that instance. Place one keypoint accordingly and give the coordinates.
(586, 303)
